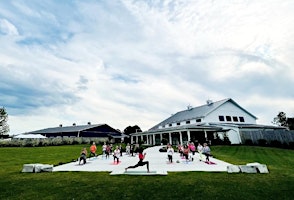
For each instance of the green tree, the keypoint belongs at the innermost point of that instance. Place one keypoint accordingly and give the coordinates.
(4, 128)
(282, 120)
(132, 129)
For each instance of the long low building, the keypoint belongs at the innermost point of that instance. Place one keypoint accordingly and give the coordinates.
(89, 130)
(213, 120)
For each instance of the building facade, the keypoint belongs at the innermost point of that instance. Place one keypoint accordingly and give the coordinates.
(89, 131)
(205, 123)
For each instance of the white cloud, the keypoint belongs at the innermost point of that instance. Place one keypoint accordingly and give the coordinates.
(138, 62)
(7, 28)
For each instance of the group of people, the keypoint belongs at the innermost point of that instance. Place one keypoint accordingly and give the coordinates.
(107, 150)
(117, 152)
(187, 151)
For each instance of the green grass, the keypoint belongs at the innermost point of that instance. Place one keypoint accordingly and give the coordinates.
(278, 184)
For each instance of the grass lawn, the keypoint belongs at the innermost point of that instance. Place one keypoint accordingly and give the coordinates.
(278, 184)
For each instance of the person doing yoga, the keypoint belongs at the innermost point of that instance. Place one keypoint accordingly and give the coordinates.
(141, 162)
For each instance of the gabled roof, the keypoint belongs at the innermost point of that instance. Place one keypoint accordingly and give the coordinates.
(198, 112)
(65, 129)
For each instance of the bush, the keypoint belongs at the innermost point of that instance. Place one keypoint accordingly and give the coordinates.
(291, 145)
(50, 141)
(86, 140)
(57, 141)
(67, 140)
(227, 140)
(45, 142)
(276, 143)
(262, 142)
(77, 140)
(248, 142)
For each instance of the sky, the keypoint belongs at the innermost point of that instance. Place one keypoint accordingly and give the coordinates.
(131, 62)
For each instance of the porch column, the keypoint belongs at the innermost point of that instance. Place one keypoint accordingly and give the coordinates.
(153, 139)
(170, 138)
(137, 139)
(132, 139)
(188, 134)
(142, 138)
(181, 138)
(205, 135)
(160, 137)
(147, 139)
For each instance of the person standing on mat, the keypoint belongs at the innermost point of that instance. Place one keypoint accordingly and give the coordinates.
(93, 149)
(170, 152)
(186, 152)
(116, 154)
(206, 151)
(141, 162)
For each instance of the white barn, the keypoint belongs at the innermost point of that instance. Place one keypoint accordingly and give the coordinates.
(203, 124)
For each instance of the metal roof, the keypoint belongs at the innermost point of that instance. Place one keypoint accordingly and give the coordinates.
(65, 129)
(197, 112)
(191, 127)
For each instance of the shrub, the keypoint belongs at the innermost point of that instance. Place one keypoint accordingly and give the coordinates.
(276, 143)
(262, 142)
(86, 141)
(67, 140)
(226, 140)
(291, 145)
(248, 142)
(56, 141)
(77, 140)
(45, 142)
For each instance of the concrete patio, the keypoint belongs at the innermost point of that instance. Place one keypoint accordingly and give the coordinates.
(157, 160)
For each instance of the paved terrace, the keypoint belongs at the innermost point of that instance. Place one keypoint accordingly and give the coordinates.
(158, 162)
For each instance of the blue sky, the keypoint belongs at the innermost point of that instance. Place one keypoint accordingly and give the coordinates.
(137, 62)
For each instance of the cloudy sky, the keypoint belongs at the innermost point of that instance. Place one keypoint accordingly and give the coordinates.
(129, 62)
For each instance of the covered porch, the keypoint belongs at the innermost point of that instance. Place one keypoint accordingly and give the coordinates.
(177, 135)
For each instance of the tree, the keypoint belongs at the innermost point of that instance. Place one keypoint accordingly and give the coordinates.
(4, 128)
(132, 129)
(282, 120)
(290, 122)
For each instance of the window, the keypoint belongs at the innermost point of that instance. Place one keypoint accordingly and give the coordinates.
(178, 124)
(170, 124)
(198, 120)
(221, 118)
(187, 122)
(241, 119)
(235, 119)
(228, 118)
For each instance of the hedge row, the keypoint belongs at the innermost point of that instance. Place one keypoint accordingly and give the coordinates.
(50, 141)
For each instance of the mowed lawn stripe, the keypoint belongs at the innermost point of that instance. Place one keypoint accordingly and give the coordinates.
(278, 184)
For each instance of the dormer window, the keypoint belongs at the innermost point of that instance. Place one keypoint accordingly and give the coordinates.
(187, 122)
(235, 119)
(241, 119)
(178, 124)
(221, 118)
(198, 120)
(228, 118)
